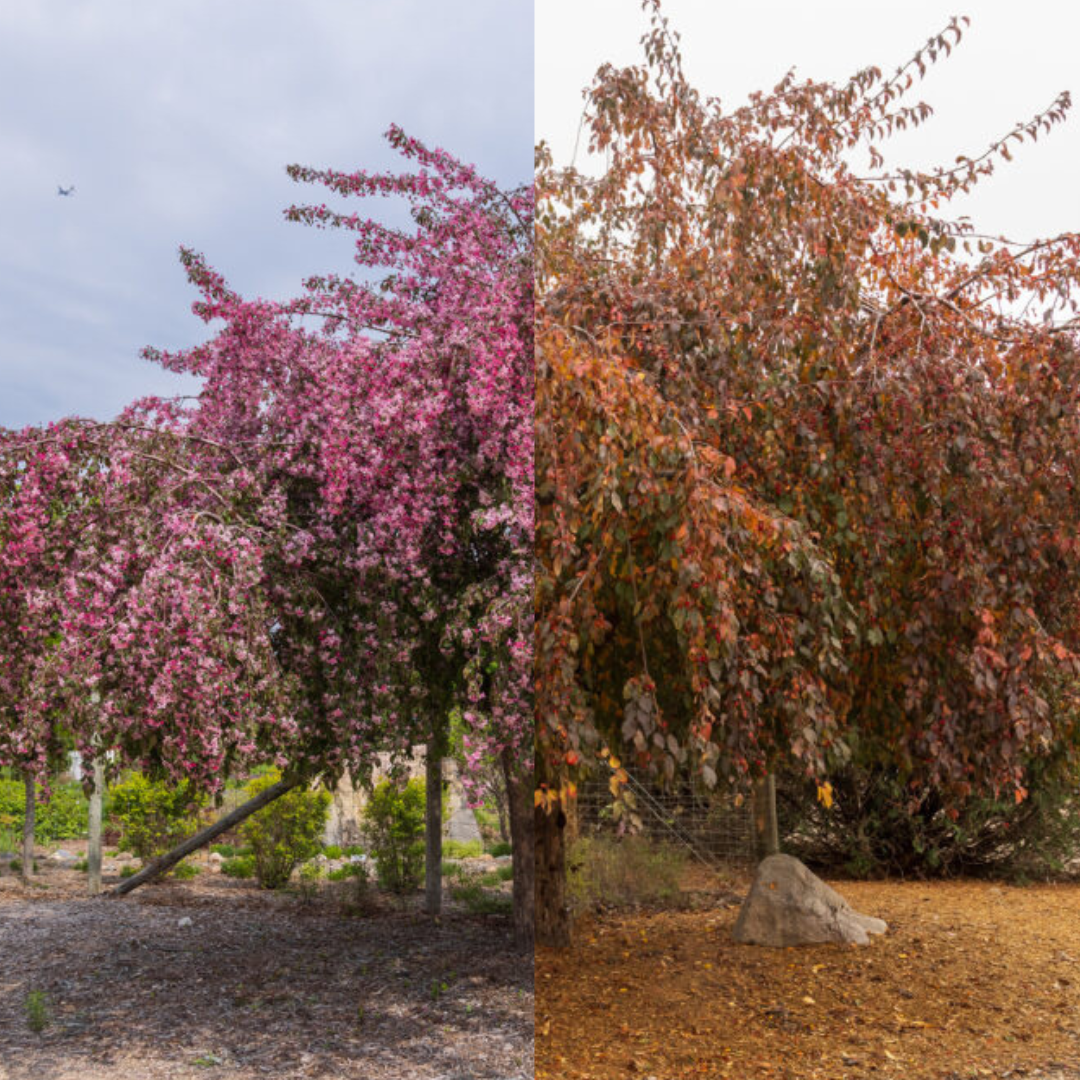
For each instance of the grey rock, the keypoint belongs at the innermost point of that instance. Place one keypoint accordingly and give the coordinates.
(63, 856)
(788, 905)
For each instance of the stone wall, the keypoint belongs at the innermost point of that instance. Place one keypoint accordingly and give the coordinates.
(343, 827)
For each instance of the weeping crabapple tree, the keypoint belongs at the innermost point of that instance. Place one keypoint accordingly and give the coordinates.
(331, 547)
(131, 608)
(378, 431)
(40, 484)
(164, 653)
(807, 451)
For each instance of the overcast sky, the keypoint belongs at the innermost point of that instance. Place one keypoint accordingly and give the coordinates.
(174, 120)
(1013, 61)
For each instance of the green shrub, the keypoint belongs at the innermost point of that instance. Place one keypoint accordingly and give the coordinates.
(497, 876)
(491, 827)
(394, 827)
(38, 1013)
(309, 876)
(501, 848)
(226, 851)
(629, 872)
(332, 851)
(879, 826)
(462, 849)
(479, 901)
(62, 817)
(359, 898)
(349, 870)
(286, 833)
(354, 849)
(242, 866)
(154, 817)
(184, 870)
(7, 833)
(128, 871)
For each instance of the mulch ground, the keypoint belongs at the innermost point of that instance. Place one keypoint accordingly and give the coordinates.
(213, 978)
(973, 980)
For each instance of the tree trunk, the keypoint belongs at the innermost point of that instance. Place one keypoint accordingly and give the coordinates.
(500, 794)
(204, 836)
(28, 827)
(766, 826)
(552, 916)
(519, 793)
(433, 822)
(93, 849)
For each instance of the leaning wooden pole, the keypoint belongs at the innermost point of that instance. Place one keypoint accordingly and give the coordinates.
(205, 836)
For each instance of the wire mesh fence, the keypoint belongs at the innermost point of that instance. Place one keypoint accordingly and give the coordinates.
(715, 831)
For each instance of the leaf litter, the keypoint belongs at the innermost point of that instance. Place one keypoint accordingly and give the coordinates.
(973, 980)
(213, 978)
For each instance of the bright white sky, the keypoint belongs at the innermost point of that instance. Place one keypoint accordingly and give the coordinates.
(1013, 61)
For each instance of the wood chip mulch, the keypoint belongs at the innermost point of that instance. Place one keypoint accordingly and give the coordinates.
(257, 985)
(973, 980)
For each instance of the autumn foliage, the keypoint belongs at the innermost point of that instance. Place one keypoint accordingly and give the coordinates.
(807, 444)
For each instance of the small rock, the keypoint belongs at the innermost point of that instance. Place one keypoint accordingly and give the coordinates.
(185, 921)
(215, 858)
(63, 856)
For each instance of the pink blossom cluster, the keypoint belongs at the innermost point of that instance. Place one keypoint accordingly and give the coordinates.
(327, 548)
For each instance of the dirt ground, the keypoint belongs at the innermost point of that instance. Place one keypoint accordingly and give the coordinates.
(256, 985)
(973, 980)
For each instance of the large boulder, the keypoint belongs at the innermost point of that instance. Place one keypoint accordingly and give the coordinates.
(788, 905)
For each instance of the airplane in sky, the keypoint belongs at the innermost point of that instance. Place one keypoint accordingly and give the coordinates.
(65, 190)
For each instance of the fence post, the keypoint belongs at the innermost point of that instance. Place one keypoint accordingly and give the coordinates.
(766, 826)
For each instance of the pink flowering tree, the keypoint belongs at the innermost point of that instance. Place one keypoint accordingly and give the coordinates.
(381, 428)
(131, 608)
(330, 549)
(41, 475)
(165, 653)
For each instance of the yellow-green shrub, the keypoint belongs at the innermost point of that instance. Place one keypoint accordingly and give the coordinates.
(286, 832)
(154, 817)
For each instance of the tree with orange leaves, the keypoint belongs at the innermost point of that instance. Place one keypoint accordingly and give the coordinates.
(806, 464)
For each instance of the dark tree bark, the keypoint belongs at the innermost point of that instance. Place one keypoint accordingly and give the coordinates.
(433, 823)
(28, 827)
(205, 836)
(552, 914)
(519, 791)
